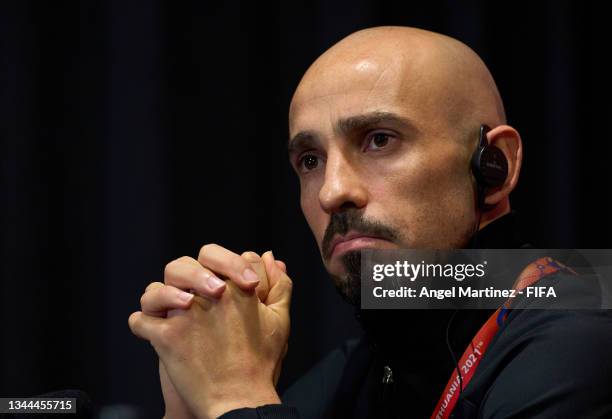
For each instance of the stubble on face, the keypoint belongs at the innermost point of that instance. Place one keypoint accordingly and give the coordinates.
(426, 190)
(348, 284)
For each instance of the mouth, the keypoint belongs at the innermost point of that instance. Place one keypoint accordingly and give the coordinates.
(353, 241)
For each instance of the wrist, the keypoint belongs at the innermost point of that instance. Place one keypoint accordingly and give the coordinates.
(252, 399)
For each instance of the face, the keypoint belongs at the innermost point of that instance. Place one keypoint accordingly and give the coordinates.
(379, 162)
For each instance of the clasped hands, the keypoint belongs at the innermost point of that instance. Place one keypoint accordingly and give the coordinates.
(220, 345)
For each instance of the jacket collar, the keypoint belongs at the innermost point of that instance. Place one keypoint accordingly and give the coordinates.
(502, 233)
(402, 336)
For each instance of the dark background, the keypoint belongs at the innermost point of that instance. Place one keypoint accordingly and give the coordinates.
(133, 132)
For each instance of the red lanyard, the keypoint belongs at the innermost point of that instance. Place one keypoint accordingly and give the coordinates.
(479, 344)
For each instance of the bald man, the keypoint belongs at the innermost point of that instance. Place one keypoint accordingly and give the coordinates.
(382, 129)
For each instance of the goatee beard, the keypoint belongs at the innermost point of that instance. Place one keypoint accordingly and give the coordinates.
(341, 223)
(349, 284)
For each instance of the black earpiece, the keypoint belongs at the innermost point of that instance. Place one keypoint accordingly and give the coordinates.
(489, 165)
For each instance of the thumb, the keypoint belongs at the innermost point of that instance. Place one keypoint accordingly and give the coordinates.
(258, 266)
(279, 296)
(281, 265)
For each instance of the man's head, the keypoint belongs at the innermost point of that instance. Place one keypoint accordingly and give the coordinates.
(382, 128)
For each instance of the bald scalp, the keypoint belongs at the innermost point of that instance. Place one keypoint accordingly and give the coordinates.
(441, 79)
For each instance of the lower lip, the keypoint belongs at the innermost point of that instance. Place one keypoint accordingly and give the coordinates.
(355, 244)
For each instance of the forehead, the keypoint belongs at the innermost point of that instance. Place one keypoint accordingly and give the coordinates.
(331, 92)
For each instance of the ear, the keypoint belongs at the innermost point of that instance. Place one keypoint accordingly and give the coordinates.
(508, 140)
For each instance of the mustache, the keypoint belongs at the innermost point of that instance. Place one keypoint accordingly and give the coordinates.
(352, 220)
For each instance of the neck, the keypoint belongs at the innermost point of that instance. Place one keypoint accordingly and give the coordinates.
(487, 217)
(398, 333)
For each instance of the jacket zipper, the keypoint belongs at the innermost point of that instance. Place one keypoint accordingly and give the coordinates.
(387, 381)
(387, 375)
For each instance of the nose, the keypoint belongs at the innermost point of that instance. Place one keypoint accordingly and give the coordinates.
(343, 187)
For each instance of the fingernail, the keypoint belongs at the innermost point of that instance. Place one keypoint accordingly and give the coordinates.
(272, 254)
(250, 276)
(185, 296)
(214, 283)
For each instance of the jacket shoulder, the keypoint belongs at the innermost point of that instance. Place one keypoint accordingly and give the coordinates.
(546, 359)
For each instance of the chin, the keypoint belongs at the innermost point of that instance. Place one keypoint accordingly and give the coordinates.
(348, 281)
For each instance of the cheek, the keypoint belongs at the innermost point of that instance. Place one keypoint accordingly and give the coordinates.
(428, 198)
(316, 218)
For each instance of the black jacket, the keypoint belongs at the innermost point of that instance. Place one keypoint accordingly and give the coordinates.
(541, 363)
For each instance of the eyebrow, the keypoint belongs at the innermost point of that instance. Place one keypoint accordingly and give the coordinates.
(302, 141)
(305, 139)
(368, 120)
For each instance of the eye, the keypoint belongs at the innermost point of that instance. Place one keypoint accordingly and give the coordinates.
(378, 140)
(308, 162)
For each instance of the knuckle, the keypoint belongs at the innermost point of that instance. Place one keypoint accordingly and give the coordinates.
(170, 266)
(204, 250)
(153, 285)
(185, 260)
(133, 321)
(250, 256)
(173, 266)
